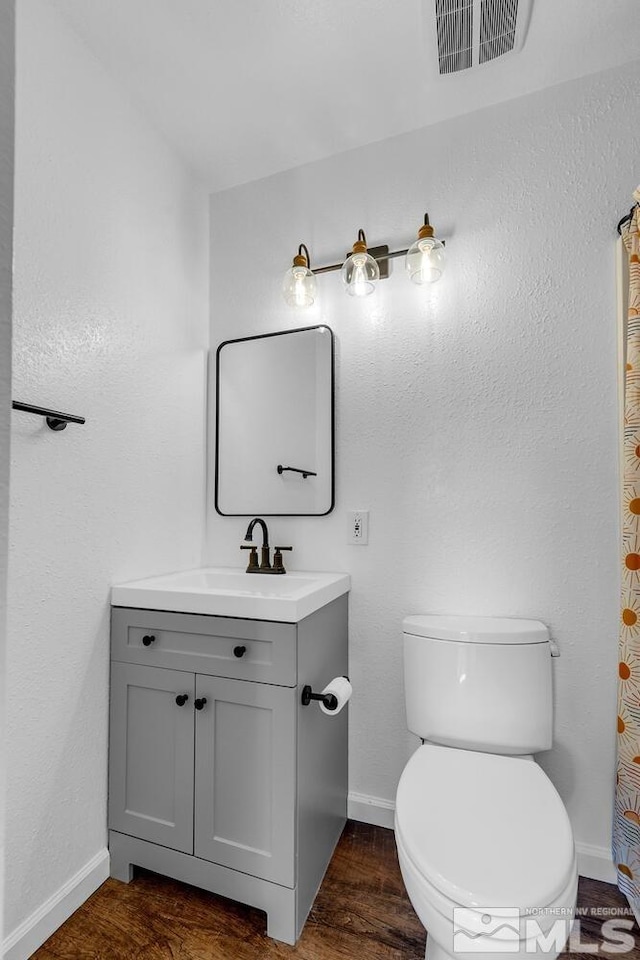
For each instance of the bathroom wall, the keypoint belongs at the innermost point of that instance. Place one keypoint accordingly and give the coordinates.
(477, 420)
(7, 16)
(111, 291)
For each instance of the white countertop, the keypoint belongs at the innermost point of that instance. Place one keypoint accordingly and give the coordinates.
(230, 592)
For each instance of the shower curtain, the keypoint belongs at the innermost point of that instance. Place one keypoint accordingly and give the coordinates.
(626, 827)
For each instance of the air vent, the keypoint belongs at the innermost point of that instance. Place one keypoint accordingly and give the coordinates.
(454, 23)
(497, 28)
(470, 33)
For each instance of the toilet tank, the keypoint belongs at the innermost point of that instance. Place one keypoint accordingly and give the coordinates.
(480, 683)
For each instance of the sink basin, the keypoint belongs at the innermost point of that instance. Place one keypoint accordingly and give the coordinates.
(229, 592)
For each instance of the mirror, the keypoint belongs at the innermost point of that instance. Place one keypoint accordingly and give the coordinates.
(275, 424)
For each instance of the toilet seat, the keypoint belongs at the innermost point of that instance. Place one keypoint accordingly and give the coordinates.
(484, 829)
(445, 908)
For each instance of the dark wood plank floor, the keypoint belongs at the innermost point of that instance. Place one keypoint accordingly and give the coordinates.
(362, 911)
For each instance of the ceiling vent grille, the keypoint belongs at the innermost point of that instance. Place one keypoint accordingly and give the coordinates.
(454, 23)
(470, 33)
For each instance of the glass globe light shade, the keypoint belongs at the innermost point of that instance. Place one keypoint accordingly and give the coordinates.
(299, 284)
(425, 258)
(360, 271)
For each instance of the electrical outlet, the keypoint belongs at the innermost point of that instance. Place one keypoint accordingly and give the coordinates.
(358, 527)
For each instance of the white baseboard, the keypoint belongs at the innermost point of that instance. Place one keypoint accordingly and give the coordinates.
(44, 921)
(372, 810)
(593, 862)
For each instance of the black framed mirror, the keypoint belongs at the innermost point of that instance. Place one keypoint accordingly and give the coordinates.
(275, 413)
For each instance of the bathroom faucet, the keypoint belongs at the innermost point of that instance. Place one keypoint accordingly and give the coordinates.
(265, 561)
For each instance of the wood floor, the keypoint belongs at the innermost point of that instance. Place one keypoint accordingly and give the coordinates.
(361, 913)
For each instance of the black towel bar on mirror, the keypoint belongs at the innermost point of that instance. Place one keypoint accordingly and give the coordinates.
(55, 419)
(305, 473)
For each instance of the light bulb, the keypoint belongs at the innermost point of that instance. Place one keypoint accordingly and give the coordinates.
(425, 258)
(299, 284)
(360, 271)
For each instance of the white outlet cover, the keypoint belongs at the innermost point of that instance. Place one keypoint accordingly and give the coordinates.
(358, 527)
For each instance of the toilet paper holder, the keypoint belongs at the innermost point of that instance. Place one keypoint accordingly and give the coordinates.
(329, 699)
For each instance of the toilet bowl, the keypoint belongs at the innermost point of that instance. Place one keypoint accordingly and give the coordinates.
(484, 842)
(486, 854)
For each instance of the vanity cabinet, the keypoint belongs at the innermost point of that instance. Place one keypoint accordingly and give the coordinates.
(219, 776)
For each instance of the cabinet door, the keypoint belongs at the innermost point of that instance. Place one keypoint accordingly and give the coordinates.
(151, 754)
(245, 777)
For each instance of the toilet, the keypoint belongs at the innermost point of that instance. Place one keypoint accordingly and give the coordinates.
(484, 841)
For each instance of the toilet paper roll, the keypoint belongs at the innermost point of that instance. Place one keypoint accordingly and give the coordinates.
(342, 690)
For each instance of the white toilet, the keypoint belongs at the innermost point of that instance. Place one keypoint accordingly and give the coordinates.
(484, 841)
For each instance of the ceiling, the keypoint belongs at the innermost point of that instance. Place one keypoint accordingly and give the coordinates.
(247, 88)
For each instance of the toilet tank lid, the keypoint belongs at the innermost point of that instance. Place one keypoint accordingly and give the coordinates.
(477, 629)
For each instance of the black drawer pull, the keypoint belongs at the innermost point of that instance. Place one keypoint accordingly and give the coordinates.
(199, 703)
(148, 640)
(239, 651)
(181, 699)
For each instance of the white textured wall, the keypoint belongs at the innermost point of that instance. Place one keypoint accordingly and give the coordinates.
(6, 247)
(111, 323)
(476, 422)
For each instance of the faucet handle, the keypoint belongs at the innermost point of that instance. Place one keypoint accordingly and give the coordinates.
(253, 557)
(278, 565)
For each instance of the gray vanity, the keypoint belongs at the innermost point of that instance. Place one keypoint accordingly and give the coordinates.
(219, 775)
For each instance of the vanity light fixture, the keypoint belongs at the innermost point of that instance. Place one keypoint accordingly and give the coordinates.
(364, 266)
(299, 284)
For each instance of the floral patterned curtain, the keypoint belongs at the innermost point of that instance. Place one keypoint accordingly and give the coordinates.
(626, 828)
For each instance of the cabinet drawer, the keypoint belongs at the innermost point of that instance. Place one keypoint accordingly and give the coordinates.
(201, 644)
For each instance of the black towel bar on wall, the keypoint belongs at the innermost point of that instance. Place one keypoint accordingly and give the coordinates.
(55, 419)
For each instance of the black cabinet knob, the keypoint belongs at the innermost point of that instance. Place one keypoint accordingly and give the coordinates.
(148, 640)
(199, 703)
(181, 699)
(239, 651)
